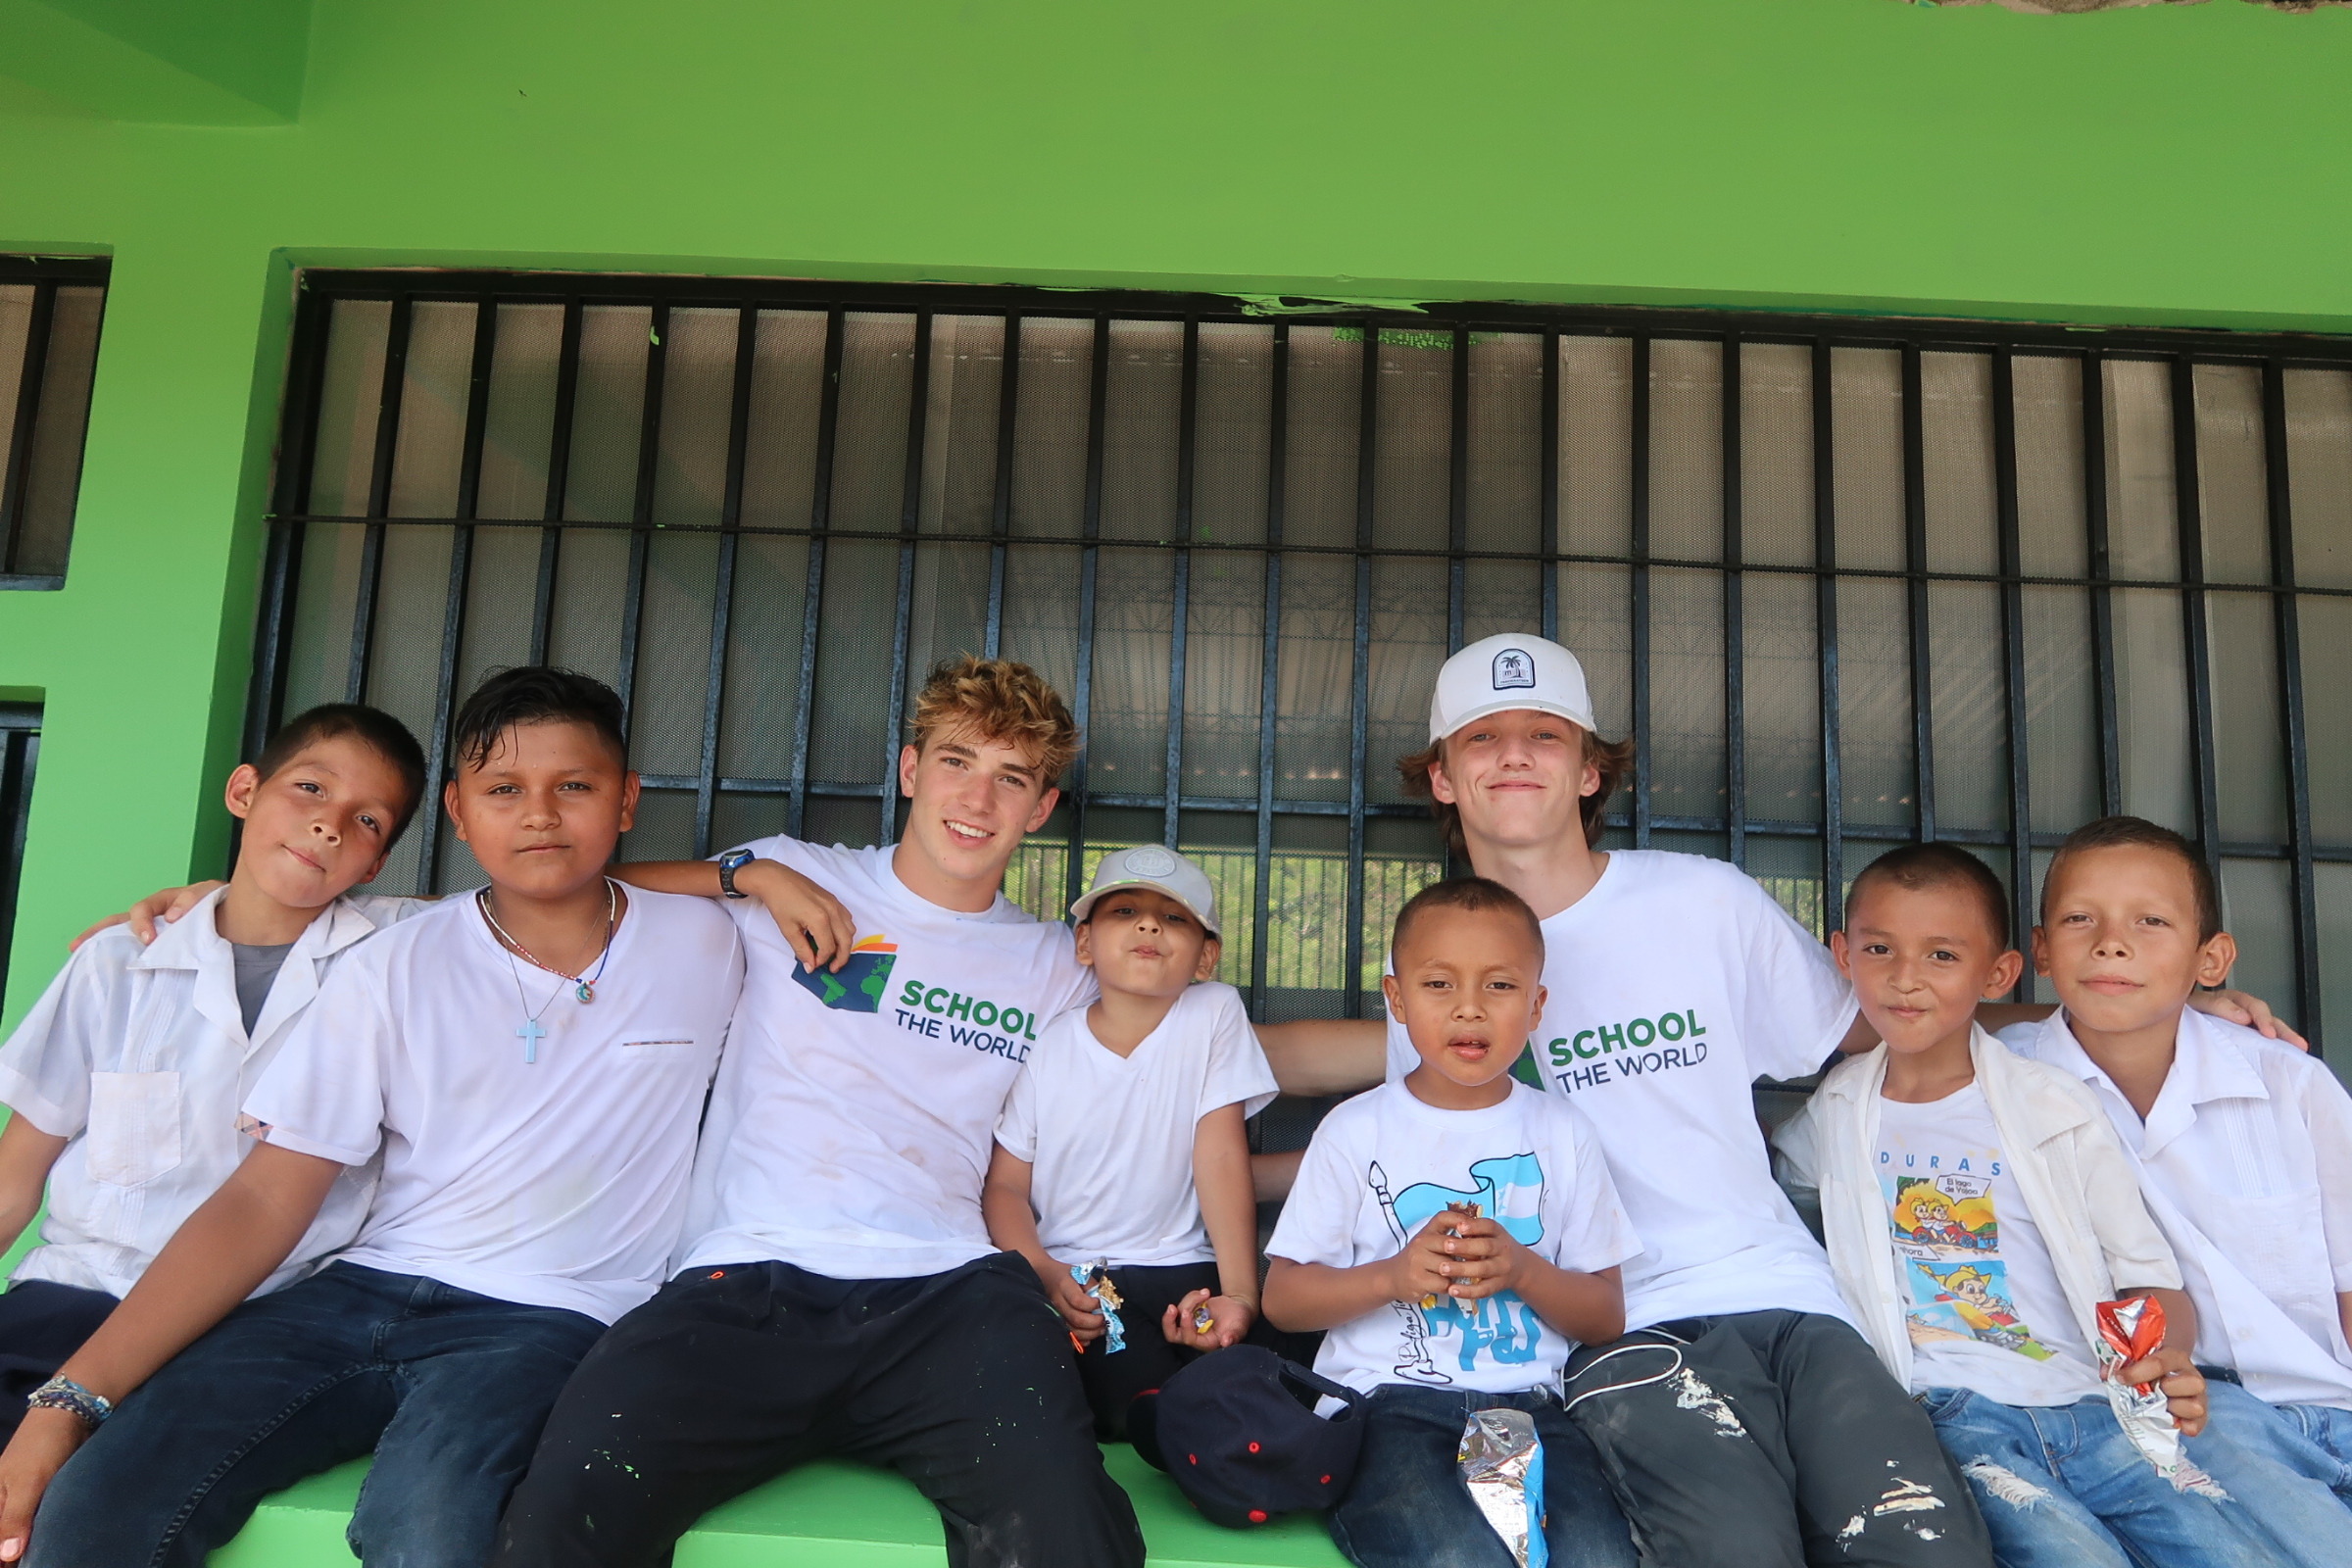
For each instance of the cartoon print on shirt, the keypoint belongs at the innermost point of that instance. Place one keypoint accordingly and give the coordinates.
(1510, 1189)
(1947, 1244)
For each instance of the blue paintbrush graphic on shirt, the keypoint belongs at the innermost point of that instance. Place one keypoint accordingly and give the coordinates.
(862, 982)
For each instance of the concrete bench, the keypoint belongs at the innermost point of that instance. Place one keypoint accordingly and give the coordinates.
(828, 1515)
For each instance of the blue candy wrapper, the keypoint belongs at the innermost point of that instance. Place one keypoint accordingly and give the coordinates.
(1096, 1278)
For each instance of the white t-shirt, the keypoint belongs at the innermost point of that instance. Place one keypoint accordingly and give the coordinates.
(140, 1057)
(853, 1119)
(1111, 1137)
(1980, 1300)
(1674, 984)
(1382, 1163)
(558, 1182)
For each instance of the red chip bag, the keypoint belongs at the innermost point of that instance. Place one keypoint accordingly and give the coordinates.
(2132, 1330)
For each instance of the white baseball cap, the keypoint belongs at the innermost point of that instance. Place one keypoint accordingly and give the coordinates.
(1148, 866)
(1496, 674)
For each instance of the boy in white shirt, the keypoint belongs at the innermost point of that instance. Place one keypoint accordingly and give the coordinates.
(837, 1291)
(125, 1079)
(1123, 1141)
(1978, 1209)
(530, 1065)
(2243, 1146)
(1458, 1233)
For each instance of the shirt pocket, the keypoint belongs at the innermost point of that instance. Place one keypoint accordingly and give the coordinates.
(660, 1046)
(135, 1127)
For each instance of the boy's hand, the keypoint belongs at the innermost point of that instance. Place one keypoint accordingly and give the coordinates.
(1230, 1318)
(167, 905)
(2183, 1386)
(1081, 1312)
(2236, 1007)
(1419, 1271)
(816, 926)
(44, 1442)
(1481, 1258)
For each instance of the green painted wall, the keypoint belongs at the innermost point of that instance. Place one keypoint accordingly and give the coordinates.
(2170, 164)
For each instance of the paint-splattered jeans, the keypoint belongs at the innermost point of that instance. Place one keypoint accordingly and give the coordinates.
(1407, 1506)
(2062, 1487)
(1769, 1440)
(449, 1389)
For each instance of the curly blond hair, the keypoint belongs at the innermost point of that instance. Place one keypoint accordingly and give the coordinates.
(1001, 701)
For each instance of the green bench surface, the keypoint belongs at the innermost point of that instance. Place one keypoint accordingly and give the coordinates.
(832, 1514)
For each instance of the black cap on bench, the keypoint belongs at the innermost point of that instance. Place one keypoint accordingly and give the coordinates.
(1239, 1441)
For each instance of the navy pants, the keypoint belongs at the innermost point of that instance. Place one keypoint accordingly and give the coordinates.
(448, 1387)
(42, 1323)
(961, 1382)
(1408, 1507)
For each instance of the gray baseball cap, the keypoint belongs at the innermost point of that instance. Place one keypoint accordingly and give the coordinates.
(1148, 866)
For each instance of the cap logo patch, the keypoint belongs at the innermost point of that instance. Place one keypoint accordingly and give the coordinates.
(1513, 669)
(1153, 860)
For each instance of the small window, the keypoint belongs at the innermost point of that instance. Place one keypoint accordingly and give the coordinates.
(49, 313)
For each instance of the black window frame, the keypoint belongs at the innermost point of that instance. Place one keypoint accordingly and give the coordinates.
(46, 275)
(2271, 354)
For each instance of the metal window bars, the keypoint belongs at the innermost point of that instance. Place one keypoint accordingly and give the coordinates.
(1842, 579)
(49, 315)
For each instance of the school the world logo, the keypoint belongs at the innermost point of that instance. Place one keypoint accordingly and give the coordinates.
(862, 983)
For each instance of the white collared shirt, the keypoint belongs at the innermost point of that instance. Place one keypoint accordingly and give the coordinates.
(140, 1057)
(2246, 1159)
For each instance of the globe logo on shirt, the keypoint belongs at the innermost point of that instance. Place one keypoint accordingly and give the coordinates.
(862, 982)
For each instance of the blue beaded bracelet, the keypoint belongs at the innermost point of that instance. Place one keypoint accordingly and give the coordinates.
(64, 1393)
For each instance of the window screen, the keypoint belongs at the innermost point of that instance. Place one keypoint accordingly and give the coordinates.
(1848, 583)
(49, 313)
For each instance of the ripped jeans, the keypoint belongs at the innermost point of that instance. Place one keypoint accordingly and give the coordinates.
(2062, 1487)
(1769, 1440)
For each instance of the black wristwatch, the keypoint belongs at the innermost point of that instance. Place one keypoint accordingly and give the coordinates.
(730, 863)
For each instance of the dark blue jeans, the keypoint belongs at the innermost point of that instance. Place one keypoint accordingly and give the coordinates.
(448, 1387)
(1408, 1509)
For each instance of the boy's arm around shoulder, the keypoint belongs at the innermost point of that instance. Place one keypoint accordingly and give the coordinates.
(817, 926)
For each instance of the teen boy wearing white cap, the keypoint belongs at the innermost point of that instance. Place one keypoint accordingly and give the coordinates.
(1123, 1140)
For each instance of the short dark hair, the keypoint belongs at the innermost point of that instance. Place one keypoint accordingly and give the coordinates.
(534, 694)
(387, 737)
(1477, 894)
(1614, 760)
(1917, 867)
(2138, 832)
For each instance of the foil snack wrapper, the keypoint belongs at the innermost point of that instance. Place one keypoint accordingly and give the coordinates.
(1095, 1279)
(1501, 1462)
(2130, 1331)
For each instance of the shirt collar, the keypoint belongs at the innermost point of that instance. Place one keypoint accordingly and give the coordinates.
(194, 940)
(2205, 1068)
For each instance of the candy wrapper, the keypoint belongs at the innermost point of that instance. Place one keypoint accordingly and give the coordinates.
(1501, 1461)
(2128, 1332)
(1467, 1210)
(1094, 1276)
